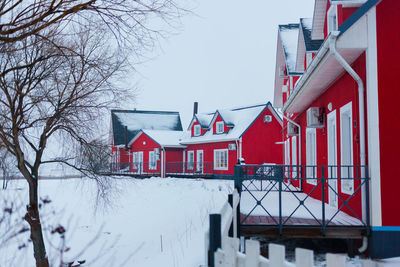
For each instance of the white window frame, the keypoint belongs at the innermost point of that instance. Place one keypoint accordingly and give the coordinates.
(218, 159)
(218, 125)
(311, 155)
(199, 164)
(332, 19)
(197, 130)
(294, 157)
(134, 160)
(152, 160)
(190, 160)
(346, 110)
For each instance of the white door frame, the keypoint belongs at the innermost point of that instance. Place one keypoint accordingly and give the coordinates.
(200, 160)
(332, 158)
(140, 156)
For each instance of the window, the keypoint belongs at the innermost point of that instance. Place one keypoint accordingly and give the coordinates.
(199, 165)
(221, 159)
(152, 161)
(311, 155)
(294, 157)
(135, 160)
(220, 126)
(346, 148)
(332, 19)
(190, 163)
(196, 130)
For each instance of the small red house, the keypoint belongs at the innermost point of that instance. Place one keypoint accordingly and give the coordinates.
(339, 98)
(152, 150)
(127, 124)
(217, 140)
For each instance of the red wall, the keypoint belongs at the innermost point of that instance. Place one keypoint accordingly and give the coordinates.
(341, 92)
(258, 142)
(208, 154)
(388, 40)
(146, 147)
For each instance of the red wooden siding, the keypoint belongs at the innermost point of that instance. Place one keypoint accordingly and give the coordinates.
(258, 142)
(388, 39)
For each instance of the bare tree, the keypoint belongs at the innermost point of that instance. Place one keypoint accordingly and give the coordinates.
(60, 61)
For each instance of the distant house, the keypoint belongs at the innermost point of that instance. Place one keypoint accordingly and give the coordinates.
(152, 143)
(217, 140)
(126, 124)
(339, 98)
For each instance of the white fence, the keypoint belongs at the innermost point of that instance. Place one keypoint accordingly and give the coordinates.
(224, 249)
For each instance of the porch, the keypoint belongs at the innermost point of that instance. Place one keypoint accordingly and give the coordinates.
(303, 201)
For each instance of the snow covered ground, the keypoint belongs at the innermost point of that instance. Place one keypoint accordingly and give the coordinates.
(150, 222)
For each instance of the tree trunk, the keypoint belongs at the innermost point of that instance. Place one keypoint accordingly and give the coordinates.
(33, 218)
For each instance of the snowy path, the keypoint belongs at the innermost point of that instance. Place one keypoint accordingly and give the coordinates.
(129, 233)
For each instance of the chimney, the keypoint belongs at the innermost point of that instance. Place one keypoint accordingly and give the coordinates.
(126, 137)
(195, 108)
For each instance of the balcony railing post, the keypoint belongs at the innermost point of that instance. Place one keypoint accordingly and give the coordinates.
(367, 197)
(323, 199)
(280, 205)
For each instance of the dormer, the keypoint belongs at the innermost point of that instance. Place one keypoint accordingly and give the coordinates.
(220, 124)
(330, 14)
(306, 47)
(199, 124)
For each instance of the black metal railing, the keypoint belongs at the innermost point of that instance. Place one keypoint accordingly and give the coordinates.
(308, 196)
(189, 168)
(136, 168)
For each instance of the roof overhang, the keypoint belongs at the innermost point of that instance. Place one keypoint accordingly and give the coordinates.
(280, 63)
(208, 141)
(325, 69)
(317, 32)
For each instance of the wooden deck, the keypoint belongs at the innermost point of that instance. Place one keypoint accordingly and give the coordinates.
(267, 226)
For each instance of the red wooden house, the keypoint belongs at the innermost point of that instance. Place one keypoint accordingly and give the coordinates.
(340, 111)
(217, 140)
(126, 125)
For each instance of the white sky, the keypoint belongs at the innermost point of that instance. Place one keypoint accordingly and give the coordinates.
(223, 57)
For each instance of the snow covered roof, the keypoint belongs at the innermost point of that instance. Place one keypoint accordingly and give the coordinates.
(289, 34)
(163, 138)
(137, 120)
(204, 119)
(310, 44)
(239, 119)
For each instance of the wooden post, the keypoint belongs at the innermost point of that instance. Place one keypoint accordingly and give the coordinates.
(230, 201)
(304, 257)
(252, 252)
(215, 237)
(238, 186)
(335, 260)
(276, 255)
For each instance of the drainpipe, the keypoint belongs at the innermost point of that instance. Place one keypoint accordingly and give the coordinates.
(162, 162)
(361, 111)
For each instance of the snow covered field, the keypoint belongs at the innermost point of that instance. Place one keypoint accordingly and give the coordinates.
(150, 222)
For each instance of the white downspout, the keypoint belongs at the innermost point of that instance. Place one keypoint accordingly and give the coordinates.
(361, 111)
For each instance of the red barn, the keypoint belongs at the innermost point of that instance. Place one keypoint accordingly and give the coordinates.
(217, 140)
(340, 111)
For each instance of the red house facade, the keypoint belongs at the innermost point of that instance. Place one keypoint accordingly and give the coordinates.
(339, 98)
(217, 140)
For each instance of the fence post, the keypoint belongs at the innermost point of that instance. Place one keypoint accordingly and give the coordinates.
(335, 260)
(230, 201)
(252, 252)
(276, 255)
(304, 257)
(367, 198)
(215, 237)
(238, 186)
(323, 199)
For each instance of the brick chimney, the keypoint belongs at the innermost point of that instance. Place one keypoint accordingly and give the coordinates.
(195, 108)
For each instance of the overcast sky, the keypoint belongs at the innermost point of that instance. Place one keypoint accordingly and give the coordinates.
(223, 57)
